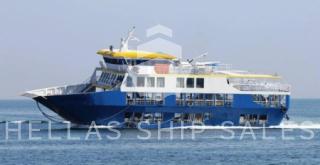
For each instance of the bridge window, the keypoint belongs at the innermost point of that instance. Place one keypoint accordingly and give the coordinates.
(114, 61)
(160, 82)
(140, 81)
(200, 82)
(150, 81)
(190, 82)
(180, 82)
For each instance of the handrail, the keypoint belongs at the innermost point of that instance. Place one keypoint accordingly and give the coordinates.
(262, 87)
(107, 81)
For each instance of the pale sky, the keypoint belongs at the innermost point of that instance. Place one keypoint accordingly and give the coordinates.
(53, 42)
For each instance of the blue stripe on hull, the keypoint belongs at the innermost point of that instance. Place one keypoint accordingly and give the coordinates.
(103, 107)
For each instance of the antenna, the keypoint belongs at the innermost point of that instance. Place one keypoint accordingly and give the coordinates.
(203, 55)
(125, 41)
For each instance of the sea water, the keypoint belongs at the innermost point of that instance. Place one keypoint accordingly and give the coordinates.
(294, 142)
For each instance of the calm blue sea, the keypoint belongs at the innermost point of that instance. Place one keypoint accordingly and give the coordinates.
(212, 146)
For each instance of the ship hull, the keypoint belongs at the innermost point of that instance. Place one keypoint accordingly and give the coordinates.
(111, 107)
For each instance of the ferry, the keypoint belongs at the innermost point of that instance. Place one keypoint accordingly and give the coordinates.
(135, 88)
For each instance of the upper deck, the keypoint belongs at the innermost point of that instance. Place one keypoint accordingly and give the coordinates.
(159, 63)
(149, 64)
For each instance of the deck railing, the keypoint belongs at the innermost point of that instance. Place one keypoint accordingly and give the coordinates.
(60, 90)
(192, 102)
(272, 104)
(191, 70)
(136, 101)
(262, 87)
(100, 78)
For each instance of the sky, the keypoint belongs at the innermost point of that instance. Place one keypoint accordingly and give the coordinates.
(53, 42)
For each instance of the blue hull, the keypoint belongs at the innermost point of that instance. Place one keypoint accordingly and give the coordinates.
(104, 107)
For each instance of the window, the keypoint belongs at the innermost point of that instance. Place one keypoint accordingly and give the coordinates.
(140, 81)
(262, 119)
(145, 98)
(200, 82)
(190, 82)
(242, 119)
(198, 118)
(114, 61)
(229, 100)
(129, 82)
(160, 82)
(283, 100)
(158, 117)
(180, 82)
(209, 96)
(207, 116)
(150, 82)
(251, 119)
(268, 100)
(220, 99)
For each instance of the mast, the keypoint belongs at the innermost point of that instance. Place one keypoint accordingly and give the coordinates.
(125, 41)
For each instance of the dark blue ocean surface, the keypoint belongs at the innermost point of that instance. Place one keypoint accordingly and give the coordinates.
(297, 144)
